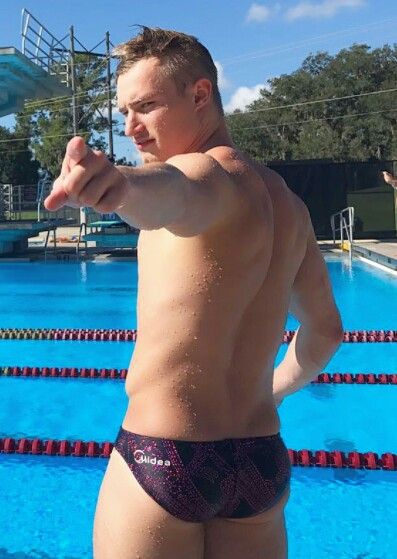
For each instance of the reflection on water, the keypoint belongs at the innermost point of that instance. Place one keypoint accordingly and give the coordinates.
(350, 476)
(340, 444)
(33, 554)
(322, 391)
(345, 475)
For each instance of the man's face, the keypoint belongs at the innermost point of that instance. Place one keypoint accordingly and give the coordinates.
(159, 119)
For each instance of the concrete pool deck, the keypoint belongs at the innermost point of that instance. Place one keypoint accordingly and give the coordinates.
(383, 252)
(66, 240)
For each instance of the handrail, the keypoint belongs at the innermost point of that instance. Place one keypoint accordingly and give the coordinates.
(44, 183)
(54, 231)
(83, 225)
(345, 225)
(42, 47)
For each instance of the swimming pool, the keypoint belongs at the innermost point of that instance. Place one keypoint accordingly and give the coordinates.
(50, 501)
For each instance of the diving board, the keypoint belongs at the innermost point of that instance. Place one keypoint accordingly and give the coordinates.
(14, 235)
(22, 79)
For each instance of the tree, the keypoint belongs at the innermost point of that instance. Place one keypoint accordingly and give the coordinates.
(281, 124)
(50, 122)
(124, 162)
(16, 163)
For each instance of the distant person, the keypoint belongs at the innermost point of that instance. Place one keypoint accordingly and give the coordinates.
(199, 469)
(390, 179)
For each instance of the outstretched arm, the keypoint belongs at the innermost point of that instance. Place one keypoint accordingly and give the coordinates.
(187, 194)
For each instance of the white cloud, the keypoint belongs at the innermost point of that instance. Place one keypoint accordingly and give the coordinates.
(223, 82)
(324, 9)
(242, 97)
(115, 111)
(258, 13)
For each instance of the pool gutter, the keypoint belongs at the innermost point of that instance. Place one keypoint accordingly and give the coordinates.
(375, 257)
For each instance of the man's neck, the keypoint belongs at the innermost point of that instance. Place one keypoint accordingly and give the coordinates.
(213, 135)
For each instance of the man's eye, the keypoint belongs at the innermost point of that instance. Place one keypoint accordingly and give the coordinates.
(147, 104)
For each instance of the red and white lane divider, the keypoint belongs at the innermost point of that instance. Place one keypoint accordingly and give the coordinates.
(121, 374)
(304, 458)
(80, 334)
(64, 372)
(114, 335)
(357, 378)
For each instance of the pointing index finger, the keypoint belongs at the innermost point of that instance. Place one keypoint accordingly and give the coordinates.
(76, 151)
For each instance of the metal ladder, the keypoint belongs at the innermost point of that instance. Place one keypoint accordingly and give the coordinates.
(343, 222)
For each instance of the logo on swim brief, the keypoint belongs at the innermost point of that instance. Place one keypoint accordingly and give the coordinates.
(141, 458)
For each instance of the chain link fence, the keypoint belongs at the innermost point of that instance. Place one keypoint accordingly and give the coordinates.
(2, 204)
(24, 202)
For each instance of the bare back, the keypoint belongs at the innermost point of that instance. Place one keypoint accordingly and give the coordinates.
(211, 314)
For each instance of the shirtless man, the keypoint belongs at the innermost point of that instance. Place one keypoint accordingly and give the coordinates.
(199, 470)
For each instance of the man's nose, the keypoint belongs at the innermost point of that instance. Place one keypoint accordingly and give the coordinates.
(132, 124)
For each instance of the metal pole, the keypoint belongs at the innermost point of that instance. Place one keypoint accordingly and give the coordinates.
(19, 202)
(73, 80)
(108, 83)
(341, 230)
(74, 104)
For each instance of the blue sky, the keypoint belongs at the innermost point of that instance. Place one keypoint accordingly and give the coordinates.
(250, 41)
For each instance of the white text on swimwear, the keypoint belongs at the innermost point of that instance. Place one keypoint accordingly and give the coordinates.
(141, 458)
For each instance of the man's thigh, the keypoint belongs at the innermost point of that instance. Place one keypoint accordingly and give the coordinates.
(259, 537)
(129, 524)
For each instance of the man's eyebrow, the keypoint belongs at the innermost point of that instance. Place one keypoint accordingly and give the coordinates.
(135, 102)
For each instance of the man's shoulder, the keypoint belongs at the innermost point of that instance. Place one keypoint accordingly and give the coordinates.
(226, 157)
(242, 171)
(231, 159)
(223, 166)
(198, 165)
(279, 189)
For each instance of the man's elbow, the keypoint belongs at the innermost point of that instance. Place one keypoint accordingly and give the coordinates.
(329, 328)
(335, 331)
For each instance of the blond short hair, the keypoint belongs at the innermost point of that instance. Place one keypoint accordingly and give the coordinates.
(182, 57)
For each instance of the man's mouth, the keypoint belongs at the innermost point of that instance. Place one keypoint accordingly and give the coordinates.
(142, 143)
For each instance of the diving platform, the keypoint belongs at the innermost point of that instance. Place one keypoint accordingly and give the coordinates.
(14, 235)
(108, 240)
(22, 79)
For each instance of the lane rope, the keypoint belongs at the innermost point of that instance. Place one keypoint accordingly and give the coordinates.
(121, 374)
(117, 335)
(303, 458)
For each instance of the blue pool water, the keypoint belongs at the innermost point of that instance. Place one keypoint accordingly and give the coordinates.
(63, 295)
(50, 501)
(103, 295)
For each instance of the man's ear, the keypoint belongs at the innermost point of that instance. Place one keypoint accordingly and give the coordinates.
(202, 93)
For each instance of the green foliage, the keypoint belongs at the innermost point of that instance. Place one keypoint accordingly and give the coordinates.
(326, 130)
(124, 162)
(50, 123)
(16, 164)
